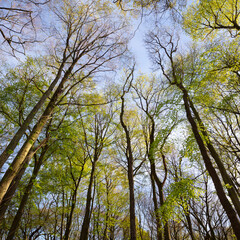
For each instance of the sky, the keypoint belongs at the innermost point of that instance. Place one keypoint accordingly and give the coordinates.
(139, 50)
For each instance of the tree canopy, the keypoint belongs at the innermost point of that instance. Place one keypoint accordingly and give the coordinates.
(93, 148)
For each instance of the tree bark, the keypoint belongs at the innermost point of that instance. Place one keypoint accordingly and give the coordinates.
(189, 222)
(87, 215)
(18, 135)
(156, 209)
(18, 160)
(226, 178)
(166, 230)
(73, 200)
(129, 157)
(18, 216)
(211, 170)
(12, 188)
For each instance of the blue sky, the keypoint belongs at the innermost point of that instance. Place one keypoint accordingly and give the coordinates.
(138, 48)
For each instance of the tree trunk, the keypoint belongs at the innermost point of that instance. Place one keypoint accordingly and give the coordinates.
(12, 188)
(166, 231)
(18, 135)
(156, 209)
(129, 157)
(74, 199)
(14, 184)
(189, 222)
(211, 170)
(18, 160)
(132, 199)
(87, 216)
(70, 217)
(226, 178)
(105, 237)
(18, 216)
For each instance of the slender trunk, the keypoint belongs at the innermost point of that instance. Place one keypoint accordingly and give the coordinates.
(132, 199)
(129, 157)
(55, 220)
(211, 170)
(87, 216)
(18, 216)
(63, 213)
(74, 200)
(166, 230)
(107, 212)
(70, 217)
(106, 225)
(159, 229)
(97, 219)
(16, 138)
(226, 178)
(189, 222)
(17, 162)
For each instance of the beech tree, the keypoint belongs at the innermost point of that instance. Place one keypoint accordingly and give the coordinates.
(85, 39)
(88, 154)
(129, 155)
(176, 76)
(204, 18)
(151, 99)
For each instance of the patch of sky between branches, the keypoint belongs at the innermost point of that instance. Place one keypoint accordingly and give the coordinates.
(137, 47)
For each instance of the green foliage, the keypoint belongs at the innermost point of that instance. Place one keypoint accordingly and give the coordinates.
(21, 87)
(179, 195)
(205, 17)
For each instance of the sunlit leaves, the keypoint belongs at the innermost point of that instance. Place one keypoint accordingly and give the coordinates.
(205, 17)
(180, 193)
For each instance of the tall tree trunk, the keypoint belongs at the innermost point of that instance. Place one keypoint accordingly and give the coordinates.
(166, 230)
(132, 199)
(18, 135)
(129, 157)
(211, 170)
(56, 219)
(156, 209)
(73, 205)
(226, 178)
(63, 213)
(18, 216)
(189, 223)
(70, 217)
(87, 216)
(12, 188)
(14, 184)
(18, 160)
(105, 233)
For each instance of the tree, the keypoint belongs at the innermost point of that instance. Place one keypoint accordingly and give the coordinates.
(204, 18)
(86, 39)
(129, 156)
(151, 99)
(97, 137)
(18, 26)
(176, 76)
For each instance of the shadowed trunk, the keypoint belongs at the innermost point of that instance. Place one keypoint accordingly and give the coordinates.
(211, 170)
(87, 216)
(129, 157)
